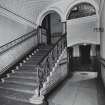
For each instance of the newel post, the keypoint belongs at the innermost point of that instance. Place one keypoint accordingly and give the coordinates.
(38, 98)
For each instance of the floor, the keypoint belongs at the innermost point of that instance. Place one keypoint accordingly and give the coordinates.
(81, 89)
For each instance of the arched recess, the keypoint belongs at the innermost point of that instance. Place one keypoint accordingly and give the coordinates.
(49, 11)
(51, 22)
(81, 25)
(92, 2)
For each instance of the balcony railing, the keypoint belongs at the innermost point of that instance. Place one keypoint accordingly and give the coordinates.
(48, 62)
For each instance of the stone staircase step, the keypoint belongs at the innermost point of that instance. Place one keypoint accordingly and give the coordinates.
(18, 73)
(18, 87)
(38, 55)
(19, 96)
(23, 77)
(45, 47)
(31, 62)
(7, 101)
(37, 58)
(27, 67)
(21, 70)
(21, 81)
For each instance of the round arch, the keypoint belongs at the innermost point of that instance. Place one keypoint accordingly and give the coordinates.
(92, 2)
(49, 11)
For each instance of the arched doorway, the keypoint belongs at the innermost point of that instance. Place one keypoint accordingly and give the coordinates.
(53, 26)
(81, 21)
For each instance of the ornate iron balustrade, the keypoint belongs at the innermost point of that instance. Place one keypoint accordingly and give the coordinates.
(17, 41)
(48, 62)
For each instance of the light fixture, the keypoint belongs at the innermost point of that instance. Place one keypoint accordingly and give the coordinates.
(84, 44)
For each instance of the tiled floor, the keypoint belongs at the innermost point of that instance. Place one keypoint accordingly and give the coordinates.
(81, 89)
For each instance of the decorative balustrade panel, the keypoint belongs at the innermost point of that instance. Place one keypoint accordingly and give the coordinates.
(58, 74)
(49, 61)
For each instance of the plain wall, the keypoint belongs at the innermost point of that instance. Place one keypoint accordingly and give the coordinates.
(102, 46)
(81, 30)
(9, 31)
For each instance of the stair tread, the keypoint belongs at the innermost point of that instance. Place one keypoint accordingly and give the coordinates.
(11, 94)
(38, 55)
(7, 101)
(17, 87)
(24, 83)
(28, 67)
(23, 77)
(24, 74)
(21, 81)
(18, 79)
(35, 58)
(26, 70)
(45, 46)
(31, 63)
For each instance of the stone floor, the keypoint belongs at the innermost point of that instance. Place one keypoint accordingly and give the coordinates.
(81, 89)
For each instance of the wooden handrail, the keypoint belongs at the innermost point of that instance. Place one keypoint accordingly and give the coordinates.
(19, 40)
(17, 15)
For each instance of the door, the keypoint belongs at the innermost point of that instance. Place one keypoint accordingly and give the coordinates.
(85, 54)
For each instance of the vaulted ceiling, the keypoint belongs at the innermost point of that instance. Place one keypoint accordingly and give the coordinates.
(30, 9)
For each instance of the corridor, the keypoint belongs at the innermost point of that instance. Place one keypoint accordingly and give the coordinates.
(82, 89)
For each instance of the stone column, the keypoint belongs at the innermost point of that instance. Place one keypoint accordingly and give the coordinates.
(70, 56)
(64, 27)
(102, 39)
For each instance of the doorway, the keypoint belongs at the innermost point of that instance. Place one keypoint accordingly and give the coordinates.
(53, 26)
(46, 26)
(85, 54)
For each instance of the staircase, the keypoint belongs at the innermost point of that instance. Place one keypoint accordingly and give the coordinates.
(19, 85)
(36, 72)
